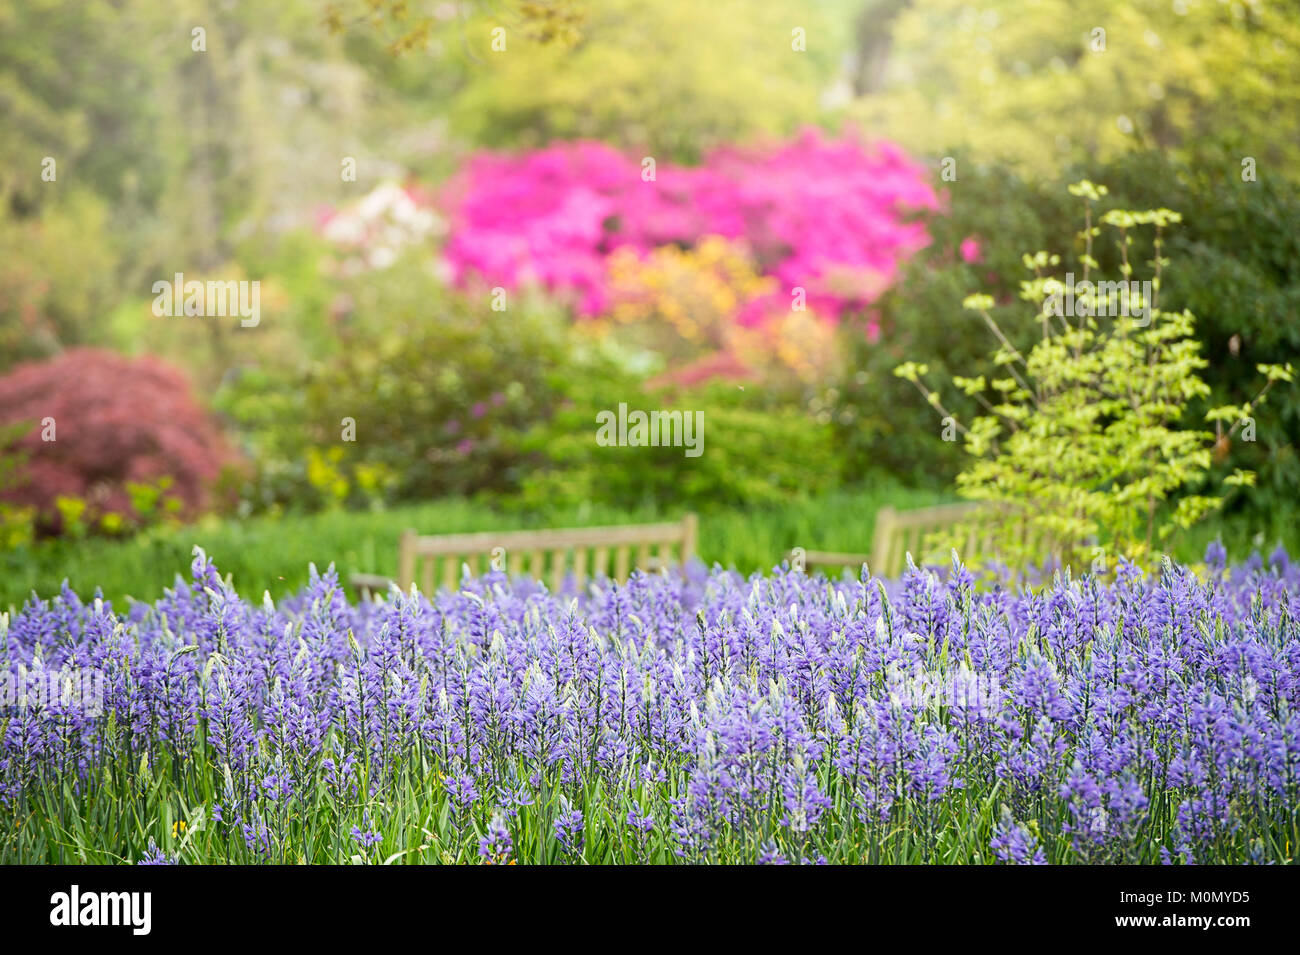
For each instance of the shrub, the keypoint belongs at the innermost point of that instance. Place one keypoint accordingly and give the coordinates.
(1234, 263)
(430, 406)
(878, 423)
(684, 304)
(1080, 440)
(755, 452)
(504, 404)
(827, 216)
(438, 407)
(104, 438)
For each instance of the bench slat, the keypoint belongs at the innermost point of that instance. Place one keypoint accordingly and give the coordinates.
(545, 552)
(483, 542)
(896, 535)
(557, 570)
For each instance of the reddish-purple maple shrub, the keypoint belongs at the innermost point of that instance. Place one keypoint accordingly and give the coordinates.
(114, 420)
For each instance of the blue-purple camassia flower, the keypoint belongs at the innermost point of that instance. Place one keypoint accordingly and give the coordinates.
(777, 717)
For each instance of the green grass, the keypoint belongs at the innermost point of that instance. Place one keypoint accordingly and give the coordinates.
(273, 554)
(169, 802)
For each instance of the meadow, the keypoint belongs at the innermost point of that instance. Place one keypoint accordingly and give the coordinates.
(700, 718)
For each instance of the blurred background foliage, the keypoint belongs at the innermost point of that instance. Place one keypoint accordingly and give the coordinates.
(228, 162)
(668, 82)
(1037, 84)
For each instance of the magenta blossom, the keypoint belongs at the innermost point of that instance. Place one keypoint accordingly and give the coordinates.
(832, 217)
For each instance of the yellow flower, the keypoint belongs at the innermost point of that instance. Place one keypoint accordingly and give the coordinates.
(178, 828)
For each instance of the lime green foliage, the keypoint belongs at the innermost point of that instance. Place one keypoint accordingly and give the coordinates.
(1235, 263)
(17, 526)
(404, 30)
(150, 500)
(1080, 446)
(1033, 85)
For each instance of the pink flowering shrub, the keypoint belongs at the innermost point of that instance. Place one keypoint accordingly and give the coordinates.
(830, 216)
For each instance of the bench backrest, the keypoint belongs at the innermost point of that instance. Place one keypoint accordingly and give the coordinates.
(897, 534)
(546, 554)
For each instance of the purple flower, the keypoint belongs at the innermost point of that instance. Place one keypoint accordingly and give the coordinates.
(155, 856)
(496, 845)
(462, 791)
(770, 855)
(568, 828)
(635, 819)
(1137, 718)
(1015, 844)
(1216, 555)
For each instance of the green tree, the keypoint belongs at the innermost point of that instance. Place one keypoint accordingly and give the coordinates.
(672, 77)
(1040, 84)
(188, 136)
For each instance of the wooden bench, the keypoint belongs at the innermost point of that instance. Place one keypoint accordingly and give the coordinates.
(897, 533)
(367, 585)
(545, 555)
